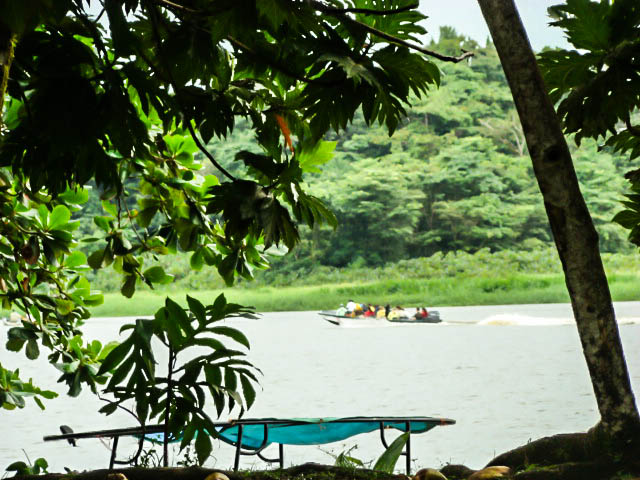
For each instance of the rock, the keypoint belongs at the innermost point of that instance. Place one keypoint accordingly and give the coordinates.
(428, 474)
(216, 476)
(490, 473)
(116, 476)
(456, 471)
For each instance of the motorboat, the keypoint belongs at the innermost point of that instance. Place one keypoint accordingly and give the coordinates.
(333, 317)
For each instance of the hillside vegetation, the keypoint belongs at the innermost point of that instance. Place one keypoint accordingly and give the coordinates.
(451, 194)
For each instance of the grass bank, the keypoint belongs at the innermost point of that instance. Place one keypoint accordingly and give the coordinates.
(447, 291)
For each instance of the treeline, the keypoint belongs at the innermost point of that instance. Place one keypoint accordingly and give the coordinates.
(455, 177)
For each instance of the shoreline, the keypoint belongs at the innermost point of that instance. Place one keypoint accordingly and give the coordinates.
(625, 310)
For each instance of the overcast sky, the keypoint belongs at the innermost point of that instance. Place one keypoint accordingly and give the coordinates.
(466, 18)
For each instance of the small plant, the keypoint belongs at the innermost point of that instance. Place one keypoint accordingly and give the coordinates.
(345, 459)
(149, 458)
(22, 468)
(386, 462)
(178, 399)
(189, 457)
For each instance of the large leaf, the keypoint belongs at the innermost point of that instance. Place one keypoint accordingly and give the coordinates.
(387, 461)
(59, 217)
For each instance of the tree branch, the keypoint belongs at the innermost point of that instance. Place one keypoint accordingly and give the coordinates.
(390, 38)
(177, 5)
(206, 152)
(236, 43)
(635, 131)
(367, 11)
(153, 15)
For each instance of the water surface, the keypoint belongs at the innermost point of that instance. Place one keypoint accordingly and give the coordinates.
(506, 374)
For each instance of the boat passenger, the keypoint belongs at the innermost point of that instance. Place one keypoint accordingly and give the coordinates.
(424, 313)
(397, 312)
(351, 306)
(358, 310)
(387, 310)
(380, 312)
(342, 310)
(370, 311)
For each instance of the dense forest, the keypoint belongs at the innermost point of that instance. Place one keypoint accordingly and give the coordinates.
(454, 177)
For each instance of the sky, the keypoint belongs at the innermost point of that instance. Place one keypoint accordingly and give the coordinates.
(465, 16)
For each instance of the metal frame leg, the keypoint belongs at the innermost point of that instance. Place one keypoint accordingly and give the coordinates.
(113, 452)
(236, 464)
(408, 448)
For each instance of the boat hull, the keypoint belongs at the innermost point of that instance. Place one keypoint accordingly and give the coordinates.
(343, 320)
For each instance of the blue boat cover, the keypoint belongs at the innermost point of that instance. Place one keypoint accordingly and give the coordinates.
(309, 431)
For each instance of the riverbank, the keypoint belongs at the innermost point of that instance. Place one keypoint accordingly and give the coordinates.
(430, 292)
(314, 471)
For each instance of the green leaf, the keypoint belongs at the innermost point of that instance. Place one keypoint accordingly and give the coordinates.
(197, 309)
(311, 155)
(387, 461)
(93, 300)
(197, 260)
(76, 385)
(123, 40)
(213, 375)
(179, 315)
(627, 218)
(65, 307)
(43, 214)
(76, 259)
(248, 391)
(208, 342)
(188, 434)
(95, 259)
(75, 196)
(129, 286)
(203, 447)
(32, 350)
(110, 208)
(59, 217)
(585, 23)
(157, 275)
(237, 335)
(109, 408)
(115, 357)
(103, 222)
(17, 466)
(230, 379)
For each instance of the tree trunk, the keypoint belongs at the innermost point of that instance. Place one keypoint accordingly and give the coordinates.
(7, 43)
(573, 231)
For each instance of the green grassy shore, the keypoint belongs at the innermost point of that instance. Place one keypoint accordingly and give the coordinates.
(432, 292)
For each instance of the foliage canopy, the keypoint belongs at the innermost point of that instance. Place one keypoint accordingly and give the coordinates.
(123, 93)
(596, 86)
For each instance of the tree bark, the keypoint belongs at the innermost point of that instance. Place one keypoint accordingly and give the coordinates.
(7, 44)
(573, 231)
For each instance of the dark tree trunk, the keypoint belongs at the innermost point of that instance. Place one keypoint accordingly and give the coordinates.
(7, 41)
(571, 224)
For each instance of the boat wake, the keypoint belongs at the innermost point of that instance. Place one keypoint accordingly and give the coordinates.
(510, 319)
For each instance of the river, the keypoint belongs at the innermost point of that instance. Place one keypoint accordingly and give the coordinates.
(506, 374)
